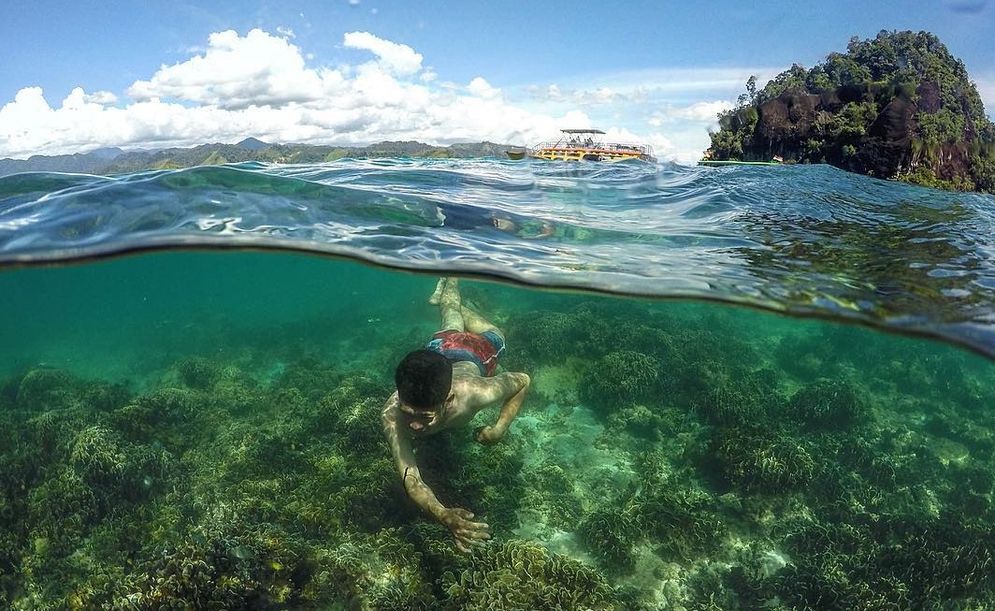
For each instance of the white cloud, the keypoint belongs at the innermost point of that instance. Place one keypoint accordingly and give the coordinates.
(264, 85)
(699, 112)
(260, 85)
(986, 89)
(482, 89)
(77, 98)
(237, 72)
(285, 32)
(397, 58)
(598, 96)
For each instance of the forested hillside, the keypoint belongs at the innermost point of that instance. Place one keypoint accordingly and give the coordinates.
(895, 106)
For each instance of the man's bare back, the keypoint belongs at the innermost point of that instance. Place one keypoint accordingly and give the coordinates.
(443, 395)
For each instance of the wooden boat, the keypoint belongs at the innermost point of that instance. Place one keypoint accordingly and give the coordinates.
(585, 145)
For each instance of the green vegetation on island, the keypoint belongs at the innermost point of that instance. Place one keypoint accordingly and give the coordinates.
(895, 106)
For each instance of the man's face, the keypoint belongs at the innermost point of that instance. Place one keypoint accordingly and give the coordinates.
(420, 419)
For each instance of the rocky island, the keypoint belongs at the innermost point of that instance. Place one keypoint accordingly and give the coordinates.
(896, 106)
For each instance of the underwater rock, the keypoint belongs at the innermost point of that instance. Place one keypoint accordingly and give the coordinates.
(730, 406)
(618, 379)
(762, 460)
(828, 405)
(118, 470)
(197, 372)
(521, 575)
(62, 508)
(551, 497)
(680, 519)
(610, 535)
(46, 389)
(380, 571)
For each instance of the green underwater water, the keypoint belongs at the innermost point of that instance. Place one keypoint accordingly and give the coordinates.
(202, 430)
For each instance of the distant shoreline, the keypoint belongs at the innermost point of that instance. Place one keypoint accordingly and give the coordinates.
(118, 161)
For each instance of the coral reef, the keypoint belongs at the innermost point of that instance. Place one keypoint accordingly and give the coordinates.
(681, 521)
(828, 405)
(610, 534)
(677, 456)
(521, 575)
(620, 378)
(757, 459)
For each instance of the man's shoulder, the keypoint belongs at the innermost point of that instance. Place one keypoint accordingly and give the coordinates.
(391, 405)
(477, 389)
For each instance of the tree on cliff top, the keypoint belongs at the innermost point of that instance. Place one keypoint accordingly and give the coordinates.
(898, 105)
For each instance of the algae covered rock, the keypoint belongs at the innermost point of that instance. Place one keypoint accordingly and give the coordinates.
(620, 378)
(762, 460)
(373, 572)
(680, 519)
(730, 406)
(521, 575)
(198, 372)
(610, 535)
(46, 389)
(828, 405)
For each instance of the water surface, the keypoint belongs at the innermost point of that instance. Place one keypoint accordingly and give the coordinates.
(201, 428)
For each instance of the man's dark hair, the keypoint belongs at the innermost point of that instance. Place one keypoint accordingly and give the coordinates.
(423, 379)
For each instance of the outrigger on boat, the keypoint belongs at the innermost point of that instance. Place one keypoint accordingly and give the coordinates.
(584, 145)
(715, 163)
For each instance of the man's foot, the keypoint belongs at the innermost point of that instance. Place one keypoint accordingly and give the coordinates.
(450, 297)
(437, 295)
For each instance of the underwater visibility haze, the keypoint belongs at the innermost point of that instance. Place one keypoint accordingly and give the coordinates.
(198, 425)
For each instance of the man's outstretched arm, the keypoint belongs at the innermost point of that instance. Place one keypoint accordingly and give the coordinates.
(511, 388)
(456, 519)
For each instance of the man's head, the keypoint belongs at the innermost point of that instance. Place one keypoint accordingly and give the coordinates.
(424, 379)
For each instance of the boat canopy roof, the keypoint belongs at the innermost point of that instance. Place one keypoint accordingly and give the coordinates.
(582, 131)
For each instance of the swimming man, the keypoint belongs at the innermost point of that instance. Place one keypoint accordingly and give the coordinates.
(443, 386)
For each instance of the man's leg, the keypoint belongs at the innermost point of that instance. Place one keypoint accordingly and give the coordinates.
(441, 284)
(450, 306)
(475, 323)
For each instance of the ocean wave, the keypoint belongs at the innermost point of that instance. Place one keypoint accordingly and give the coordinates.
(803, 240)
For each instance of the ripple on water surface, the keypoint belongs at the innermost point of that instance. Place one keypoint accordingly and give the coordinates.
(808, 240)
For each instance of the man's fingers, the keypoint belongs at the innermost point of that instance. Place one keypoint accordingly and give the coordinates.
(467, 525)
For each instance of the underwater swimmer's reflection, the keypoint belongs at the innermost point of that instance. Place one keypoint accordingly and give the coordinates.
(442, 387)
(467, 217)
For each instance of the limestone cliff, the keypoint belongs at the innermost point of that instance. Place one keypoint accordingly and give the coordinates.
(896, 106)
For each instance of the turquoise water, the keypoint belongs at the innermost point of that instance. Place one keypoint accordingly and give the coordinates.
(200, 427)
(811, 240)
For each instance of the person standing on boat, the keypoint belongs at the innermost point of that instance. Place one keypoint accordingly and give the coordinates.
(443, 386)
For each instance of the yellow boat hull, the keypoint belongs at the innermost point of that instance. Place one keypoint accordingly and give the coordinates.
(587, 154)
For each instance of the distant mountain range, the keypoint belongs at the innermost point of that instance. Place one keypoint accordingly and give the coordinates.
(117, 161)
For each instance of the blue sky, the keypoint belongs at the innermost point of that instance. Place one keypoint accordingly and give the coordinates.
(342, 71)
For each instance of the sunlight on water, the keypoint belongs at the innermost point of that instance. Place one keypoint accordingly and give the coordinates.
(811, 240)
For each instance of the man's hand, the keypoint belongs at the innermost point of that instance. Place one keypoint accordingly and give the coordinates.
(487, 435)
(465, 532)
